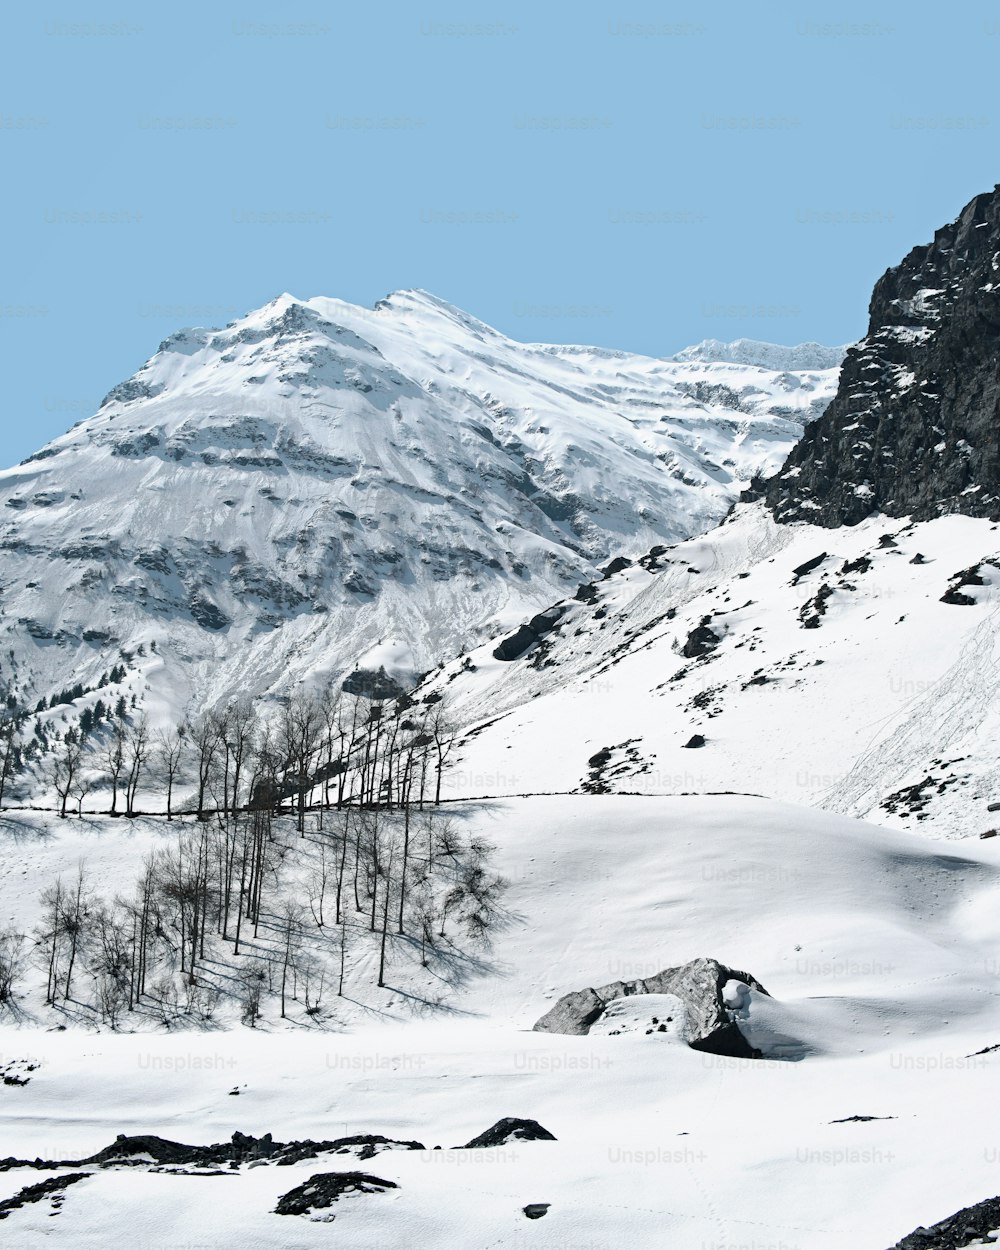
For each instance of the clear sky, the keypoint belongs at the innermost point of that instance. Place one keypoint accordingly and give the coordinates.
(629, 175)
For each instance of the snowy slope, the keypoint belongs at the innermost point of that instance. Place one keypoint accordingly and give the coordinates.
(878, 948)
(271, 501)
(851, 685)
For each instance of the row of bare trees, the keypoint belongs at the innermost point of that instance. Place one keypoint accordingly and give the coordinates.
(331, 751)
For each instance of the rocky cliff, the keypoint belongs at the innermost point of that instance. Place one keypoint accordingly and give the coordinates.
(913, 429)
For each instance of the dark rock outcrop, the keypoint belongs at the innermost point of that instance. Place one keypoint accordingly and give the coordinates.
(802, 569)
(913, 429)
(53, 1188)
(507, 1130)
(967, 577)
(326, 1188)
(700, 641)
(966, 1227)
(514, 645)
(375, 684)
(698, 984)
(146, 1149)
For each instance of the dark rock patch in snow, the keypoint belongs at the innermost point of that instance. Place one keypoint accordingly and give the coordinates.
(516, 644)
(807, 567)
(966, 577)
(53, 1188)
(969, 1226)
(509, 1129)
(148, 1150)
(700, 641)
(326, 1188)
(535, 1210)
(814, 608)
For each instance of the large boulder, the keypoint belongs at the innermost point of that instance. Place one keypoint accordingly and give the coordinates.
(525, 636)
(710, 1008)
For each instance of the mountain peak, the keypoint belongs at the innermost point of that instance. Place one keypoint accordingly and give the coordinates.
(802, 356)
(912, 430)
(280, 496)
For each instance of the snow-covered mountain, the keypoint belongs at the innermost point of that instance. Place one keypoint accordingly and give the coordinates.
(867, 684)
(835, 640)
(783, 654)
(320, 485)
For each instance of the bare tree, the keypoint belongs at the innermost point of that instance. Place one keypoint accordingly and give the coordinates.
(12, 959)
(114, 960)
(169, 747)
(317, 884)
(136, 755)
(343, 948)
(444, 736)
(65, 766)
(251, 980)
(204, 737)
(482, 891)
(50, 935)
(238, 734)
(114, 758)
(389, 850)
(74, 918)
(80, 788)
(301, 738)
(291, 933)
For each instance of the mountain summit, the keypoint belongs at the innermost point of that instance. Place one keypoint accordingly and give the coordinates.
(319, 485)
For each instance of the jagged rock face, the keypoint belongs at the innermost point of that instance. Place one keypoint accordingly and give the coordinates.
(698, 985)
(913, 430)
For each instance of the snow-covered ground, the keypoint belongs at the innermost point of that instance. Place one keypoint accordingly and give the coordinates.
(878, 947)
(844, 686)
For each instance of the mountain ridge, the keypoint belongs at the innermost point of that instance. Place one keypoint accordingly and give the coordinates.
(913, 429)
(274, 500)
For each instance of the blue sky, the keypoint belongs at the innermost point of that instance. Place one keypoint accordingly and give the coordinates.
(634, 176)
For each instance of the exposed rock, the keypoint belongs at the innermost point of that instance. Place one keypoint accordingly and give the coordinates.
(507, 1130)
(535, 1210)
(146, 1150)
(966, 1227)
(966, 577)
(326, 1188)
(51, 1188)
(699, 985)
(696, 740)
(514, 645)
(912, 429)
(808, 567)
(813, 609)
(700, 641)
(373, 684)
(207, 614)
(617, 565)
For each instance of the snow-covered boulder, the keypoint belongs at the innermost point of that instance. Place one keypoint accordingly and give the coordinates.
(711, 994)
